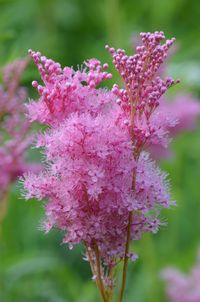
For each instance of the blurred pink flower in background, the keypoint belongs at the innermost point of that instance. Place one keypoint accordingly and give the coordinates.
(15, 135)
(182, 287)
(184, 109)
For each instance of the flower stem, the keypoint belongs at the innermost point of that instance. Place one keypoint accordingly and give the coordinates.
(94, 272)
(126, 257)
(3, 206)
(98, 264)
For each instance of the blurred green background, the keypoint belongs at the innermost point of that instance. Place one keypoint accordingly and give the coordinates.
(37, 267)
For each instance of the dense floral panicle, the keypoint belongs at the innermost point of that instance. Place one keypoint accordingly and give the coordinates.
(141, 69)
(143, 87)
(14, 127)
(92, 201)
(89, 187)
(179, 114)
(96, 172)
(66, 91)
(183, 287)
(137, 40)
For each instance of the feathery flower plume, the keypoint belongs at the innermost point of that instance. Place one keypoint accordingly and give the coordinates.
(101, 188)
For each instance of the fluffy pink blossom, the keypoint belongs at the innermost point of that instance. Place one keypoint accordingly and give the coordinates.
(14, 127)
(98, 183)
(182, 287)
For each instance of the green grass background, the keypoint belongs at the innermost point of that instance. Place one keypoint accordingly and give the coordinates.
(37, 268)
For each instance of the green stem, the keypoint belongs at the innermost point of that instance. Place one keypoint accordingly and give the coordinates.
(98, 264)
(125, 266)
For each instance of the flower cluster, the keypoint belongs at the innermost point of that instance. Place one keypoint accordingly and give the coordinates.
(99, 183)
(183, 287)
(144, 88)
(182, 110)
(14, 127)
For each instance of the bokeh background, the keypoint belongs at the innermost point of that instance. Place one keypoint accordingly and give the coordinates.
(37, 267)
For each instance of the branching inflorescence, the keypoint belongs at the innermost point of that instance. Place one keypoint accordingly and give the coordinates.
(183, 109)
(102, 189)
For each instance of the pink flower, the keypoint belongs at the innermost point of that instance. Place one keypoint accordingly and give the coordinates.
(183, 111)
(98, 183)
(182, 287)
(179, 114)
(13, 138)
(185, 108)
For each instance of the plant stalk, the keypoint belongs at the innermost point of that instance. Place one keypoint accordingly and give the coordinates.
(125, 266)
(99, 277)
